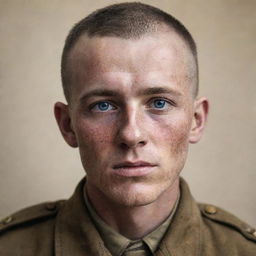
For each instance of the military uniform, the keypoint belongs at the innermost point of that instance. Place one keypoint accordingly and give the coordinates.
(64, 228)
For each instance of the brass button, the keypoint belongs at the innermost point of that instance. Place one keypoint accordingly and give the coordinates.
(249, 230)
(51, 206)
(7, 220)
(210, 209)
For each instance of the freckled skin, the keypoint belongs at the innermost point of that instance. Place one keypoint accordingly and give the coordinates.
(133, 131)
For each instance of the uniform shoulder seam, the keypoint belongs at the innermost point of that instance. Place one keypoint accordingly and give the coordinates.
(27, 215)
(220, 216)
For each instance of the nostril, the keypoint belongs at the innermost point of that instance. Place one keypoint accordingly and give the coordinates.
(132, 145)
(124, 146)
(142, 143)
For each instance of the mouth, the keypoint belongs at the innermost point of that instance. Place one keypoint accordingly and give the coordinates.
(134, 169)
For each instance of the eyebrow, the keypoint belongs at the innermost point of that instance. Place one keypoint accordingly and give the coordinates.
(141, 92)
(159, 90)
(99, 92)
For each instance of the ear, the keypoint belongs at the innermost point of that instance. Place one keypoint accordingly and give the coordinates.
(62, 115)
(201, 108)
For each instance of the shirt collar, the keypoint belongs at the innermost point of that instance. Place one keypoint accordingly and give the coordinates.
(154, 238)
(117, 243)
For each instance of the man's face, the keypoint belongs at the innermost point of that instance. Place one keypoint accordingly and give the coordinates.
(131, 112)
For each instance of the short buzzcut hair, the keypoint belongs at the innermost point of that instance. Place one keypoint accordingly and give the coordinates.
(129, 20)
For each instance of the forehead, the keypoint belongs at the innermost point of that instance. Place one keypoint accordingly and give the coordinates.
(152, 57)
(164, 44)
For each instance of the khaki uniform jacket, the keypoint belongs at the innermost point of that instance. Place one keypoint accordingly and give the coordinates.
(64, 228)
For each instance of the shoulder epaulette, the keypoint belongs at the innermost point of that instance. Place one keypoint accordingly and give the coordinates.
(223, 217)
(30, 214)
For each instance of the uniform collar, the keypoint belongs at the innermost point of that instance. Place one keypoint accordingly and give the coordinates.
(117, 243)
(75, 234)
(184, 235)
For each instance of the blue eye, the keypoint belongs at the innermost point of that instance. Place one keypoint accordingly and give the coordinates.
(159, 104)
(103, 106)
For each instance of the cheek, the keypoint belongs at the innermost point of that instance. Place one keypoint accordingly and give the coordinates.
(174, 132)
(181, 135)
(94, 143)
(93, 138)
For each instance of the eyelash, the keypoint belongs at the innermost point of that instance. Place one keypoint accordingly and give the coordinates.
(92, 106)
(166, 101)
(149, 102)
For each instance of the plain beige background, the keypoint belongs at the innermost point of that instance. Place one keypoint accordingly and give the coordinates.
(35, 163)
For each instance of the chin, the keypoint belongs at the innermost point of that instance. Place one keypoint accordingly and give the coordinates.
(137, 195)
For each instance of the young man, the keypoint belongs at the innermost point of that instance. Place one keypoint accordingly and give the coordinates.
(130, 77)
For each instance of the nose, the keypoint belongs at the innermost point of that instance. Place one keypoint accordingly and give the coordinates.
(131, 132)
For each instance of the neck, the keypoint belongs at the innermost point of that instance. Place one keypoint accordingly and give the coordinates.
(136, 222)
